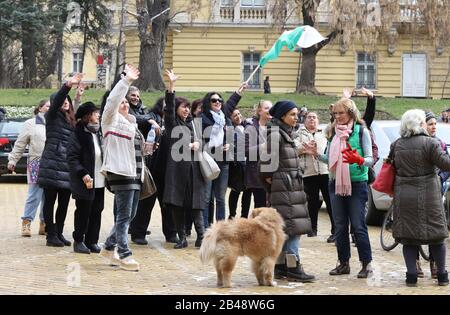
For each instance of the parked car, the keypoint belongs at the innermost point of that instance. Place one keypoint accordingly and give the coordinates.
(9, 131)
(385, 132)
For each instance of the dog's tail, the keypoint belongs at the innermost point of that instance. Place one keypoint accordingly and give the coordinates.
(209, 244)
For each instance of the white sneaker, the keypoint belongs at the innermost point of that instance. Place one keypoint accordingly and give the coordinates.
(111, 256)
(128, 263)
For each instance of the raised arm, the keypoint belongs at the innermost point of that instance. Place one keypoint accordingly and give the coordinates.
(58, 101)
(169, 110)
(369, 113)
(233, 101)
(118, 93)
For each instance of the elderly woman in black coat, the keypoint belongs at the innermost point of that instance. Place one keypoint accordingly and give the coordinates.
(185, 187)
(87, 183)
(418, 217)
(54, 170)
(283, 180)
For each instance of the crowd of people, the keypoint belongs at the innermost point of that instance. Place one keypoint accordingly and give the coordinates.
(280, 157)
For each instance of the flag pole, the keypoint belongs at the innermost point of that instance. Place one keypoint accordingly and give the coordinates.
(253, 73)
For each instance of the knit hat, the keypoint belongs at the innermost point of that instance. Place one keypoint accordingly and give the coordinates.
(281, 108)
(429, 115)
(86, 109)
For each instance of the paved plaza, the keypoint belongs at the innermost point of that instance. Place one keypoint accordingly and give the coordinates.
(27, 266)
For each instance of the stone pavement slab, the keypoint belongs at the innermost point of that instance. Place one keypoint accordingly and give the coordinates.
(27, 266)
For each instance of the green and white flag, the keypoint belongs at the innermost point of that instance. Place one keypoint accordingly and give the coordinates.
(303, 37)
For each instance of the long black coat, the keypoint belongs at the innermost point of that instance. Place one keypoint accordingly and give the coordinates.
(418, 215)
(54, 170)
(81, 160)
(254, 138)
(184, 174)
(286, 192)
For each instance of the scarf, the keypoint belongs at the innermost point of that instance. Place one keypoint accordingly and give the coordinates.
(93, 127)
(217, 133)
(335, 161)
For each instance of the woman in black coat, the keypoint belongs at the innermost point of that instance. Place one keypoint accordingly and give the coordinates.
(184, 186)
(54, 170)
(87, 183)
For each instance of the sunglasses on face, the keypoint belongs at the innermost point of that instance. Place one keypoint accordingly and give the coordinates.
(215, 100)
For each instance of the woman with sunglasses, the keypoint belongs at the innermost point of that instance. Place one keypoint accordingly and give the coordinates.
(216, 118)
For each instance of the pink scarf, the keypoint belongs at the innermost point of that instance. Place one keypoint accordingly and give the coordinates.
(335, 160)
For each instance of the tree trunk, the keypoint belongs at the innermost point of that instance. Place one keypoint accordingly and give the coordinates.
(28, 57)
(3, 79)
(308, 74)
(85, 31)
(149, 65)
(152, 34)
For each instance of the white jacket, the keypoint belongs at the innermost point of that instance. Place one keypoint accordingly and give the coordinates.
(32, 134)
(119, 156)
(309, 165)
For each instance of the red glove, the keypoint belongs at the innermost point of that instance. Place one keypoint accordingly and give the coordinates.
(352, 156)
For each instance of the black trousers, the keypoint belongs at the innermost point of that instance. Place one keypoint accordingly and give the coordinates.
(314, 184)
(140, 223)
(259, 197)
(179, 217)
(88, 218)
(50, 195)
(245, 202)
(189, 220)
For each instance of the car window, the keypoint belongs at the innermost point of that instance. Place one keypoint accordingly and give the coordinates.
(392, 132)
(443, 133)
(11, 127)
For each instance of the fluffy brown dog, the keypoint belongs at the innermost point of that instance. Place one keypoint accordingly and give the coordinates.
(260, 237)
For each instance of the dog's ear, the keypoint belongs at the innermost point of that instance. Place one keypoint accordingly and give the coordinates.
(255, 212)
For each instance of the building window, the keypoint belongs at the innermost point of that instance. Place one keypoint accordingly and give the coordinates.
(253, 3)
(226, 3)
(251, 61)
(366, 71)
(76, 65)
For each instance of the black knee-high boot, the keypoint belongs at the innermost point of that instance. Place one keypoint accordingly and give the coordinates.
(178, 214)
(197, 216)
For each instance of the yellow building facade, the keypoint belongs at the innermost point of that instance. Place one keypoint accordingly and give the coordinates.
(220, 46)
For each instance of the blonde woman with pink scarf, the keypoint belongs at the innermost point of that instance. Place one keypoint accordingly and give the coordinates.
(348, 160)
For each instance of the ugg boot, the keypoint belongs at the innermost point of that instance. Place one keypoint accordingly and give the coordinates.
(26, 228)
(41, 228)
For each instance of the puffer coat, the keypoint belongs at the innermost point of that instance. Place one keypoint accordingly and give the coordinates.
(54, 169)
(286, 192)
(418, 215)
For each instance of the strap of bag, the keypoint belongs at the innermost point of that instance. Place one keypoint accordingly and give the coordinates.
(391, 155)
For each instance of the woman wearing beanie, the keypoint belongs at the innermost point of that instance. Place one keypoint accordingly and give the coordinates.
(87, 183)
(348, 160)
(33, 135)
(283, 181)
(53, 168)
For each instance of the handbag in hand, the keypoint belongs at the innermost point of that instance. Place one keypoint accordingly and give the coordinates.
(148, 187)
(208, 167)
(386, 177)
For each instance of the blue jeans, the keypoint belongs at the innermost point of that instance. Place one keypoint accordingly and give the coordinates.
(35, 196)
(125, 206)
(351, 208)
(219, 185)
(291, 246)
